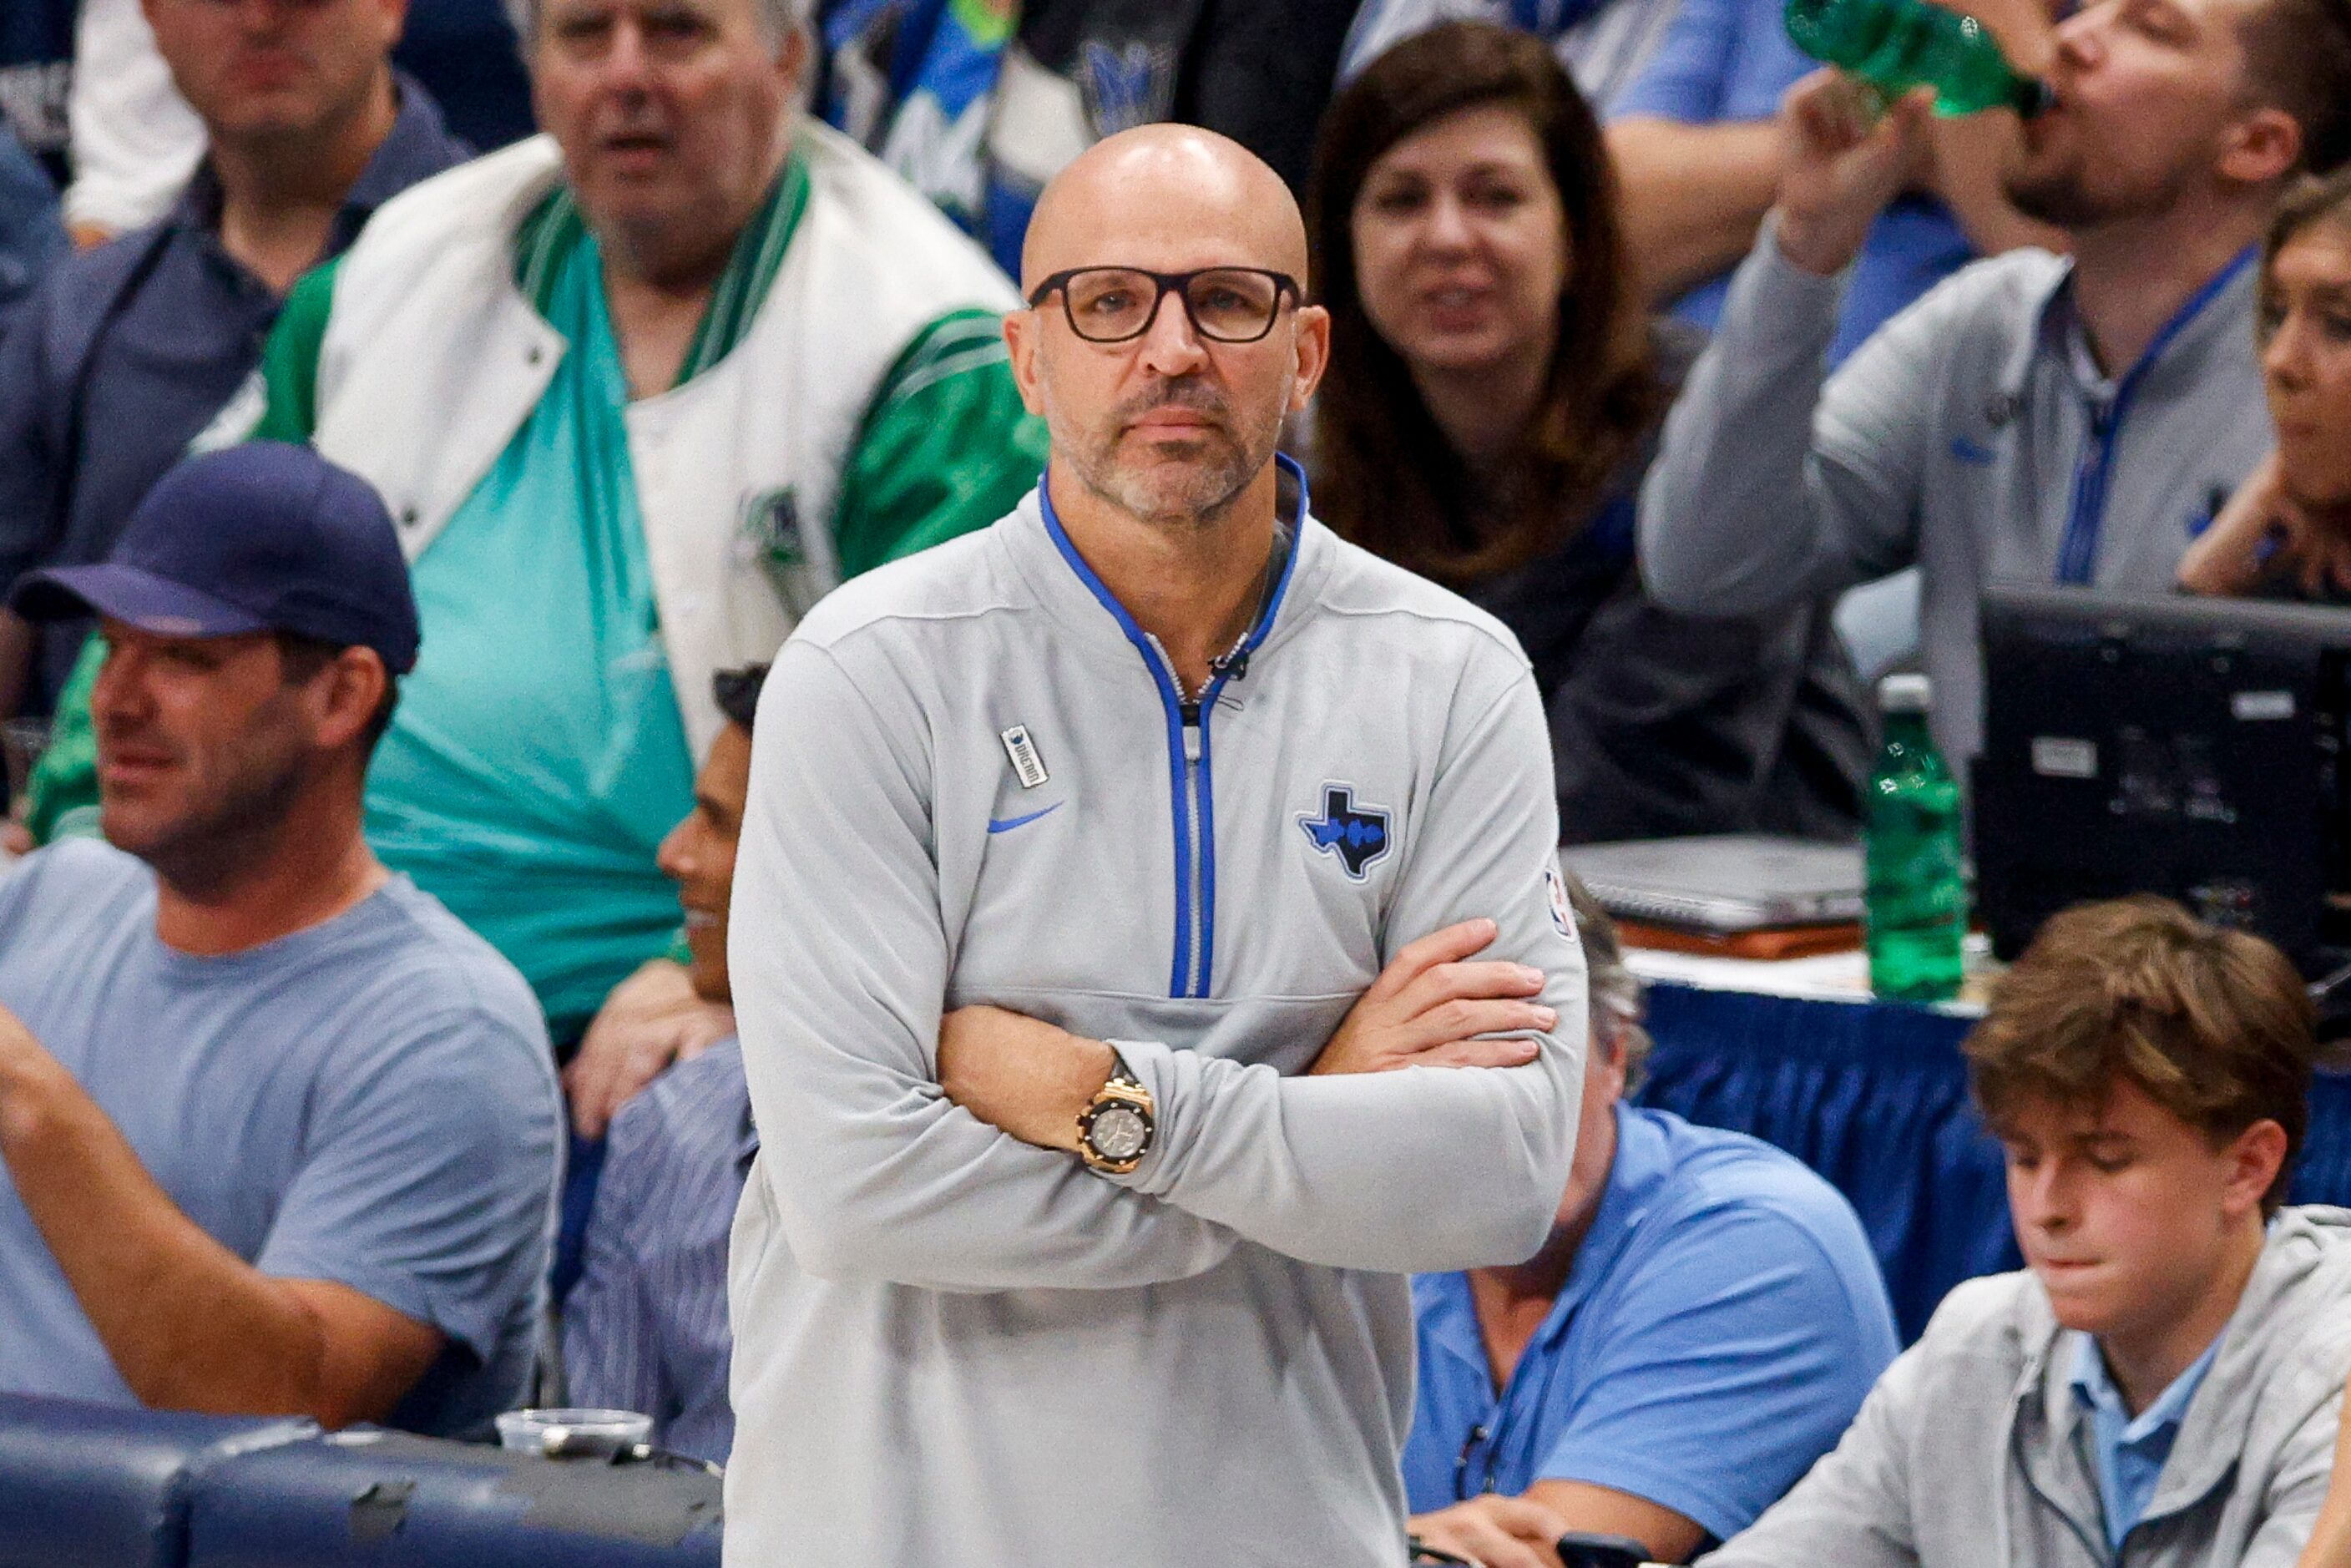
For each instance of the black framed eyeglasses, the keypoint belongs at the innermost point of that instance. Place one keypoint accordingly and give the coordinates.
(1114, 304)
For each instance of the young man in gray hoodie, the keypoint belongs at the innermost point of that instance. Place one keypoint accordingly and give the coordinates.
(2160, 1384)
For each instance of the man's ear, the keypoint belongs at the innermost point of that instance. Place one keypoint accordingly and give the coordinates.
(1021, 343)
(354, 687)
(1313, 338)
(2263, 147)
(1613, 1060)
(395, 20)
(792, 60)
(2255, 1156)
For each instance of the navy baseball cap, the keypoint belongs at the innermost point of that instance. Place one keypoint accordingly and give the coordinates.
(265, 537)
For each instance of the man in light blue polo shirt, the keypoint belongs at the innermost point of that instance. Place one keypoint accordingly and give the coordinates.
(1702, 1324)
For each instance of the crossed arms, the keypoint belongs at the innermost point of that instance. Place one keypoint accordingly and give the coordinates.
(876, 1171)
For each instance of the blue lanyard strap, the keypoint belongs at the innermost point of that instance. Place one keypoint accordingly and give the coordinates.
(2077, 557)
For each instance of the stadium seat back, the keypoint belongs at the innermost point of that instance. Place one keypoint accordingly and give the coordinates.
(95, 1484)
(389, 1499)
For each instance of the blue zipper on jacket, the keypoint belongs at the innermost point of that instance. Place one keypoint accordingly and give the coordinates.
(2077, 557)
(1191, 786)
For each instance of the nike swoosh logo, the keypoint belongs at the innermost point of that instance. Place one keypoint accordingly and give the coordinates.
(1006, 824)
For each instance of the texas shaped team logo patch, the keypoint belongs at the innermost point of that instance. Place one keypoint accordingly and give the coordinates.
(1356, 835)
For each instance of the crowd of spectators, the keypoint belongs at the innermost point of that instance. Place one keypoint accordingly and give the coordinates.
(399, 538)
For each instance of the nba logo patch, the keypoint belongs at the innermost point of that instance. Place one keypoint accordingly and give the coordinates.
(1563, 913)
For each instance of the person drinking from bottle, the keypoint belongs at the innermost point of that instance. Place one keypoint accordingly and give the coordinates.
(2288, 531)
(2032, 419)
(2158, 1387)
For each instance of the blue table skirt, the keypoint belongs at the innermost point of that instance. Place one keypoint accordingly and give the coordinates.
(1875, 1097)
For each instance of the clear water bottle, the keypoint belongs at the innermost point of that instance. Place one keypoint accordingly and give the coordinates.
(1917, 898)
(1897, 45)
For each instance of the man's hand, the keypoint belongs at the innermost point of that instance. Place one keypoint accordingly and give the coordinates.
(188, 1324)
(2264, 534)
(1841, 163)
(1494, 1531)
(1019, 1075)
(651, 1019)
(1428, 1005)
(35, 1091)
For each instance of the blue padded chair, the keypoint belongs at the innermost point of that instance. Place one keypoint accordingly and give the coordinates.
(389, 1499)
(97, 1484)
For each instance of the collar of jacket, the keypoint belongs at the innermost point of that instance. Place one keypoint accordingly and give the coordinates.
(2047, 1432)
(1075, 604)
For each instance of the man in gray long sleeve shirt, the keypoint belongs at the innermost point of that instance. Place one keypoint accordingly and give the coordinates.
(2031, 419)
(1073, 845)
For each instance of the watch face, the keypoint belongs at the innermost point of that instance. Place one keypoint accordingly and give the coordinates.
(1118, 1131)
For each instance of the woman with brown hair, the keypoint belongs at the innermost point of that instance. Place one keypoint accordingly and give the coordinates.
(1493, 400)
(2287, 532)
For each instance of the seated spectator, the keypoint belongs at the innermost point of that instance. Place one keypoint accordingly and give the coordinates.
(280, 1135)
(2032, 418)
(128, 352)
(30, 236)
(638, 403)
(1700, 1327)
(2288, 530)
(2159, 1385)
(645, 1328)
(1494, 398)
(135, 139)
(1698, 144)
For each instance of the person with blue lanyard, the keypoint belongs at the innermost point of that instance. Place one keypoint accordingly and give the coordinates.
(2033, 418)
(1700, 1327)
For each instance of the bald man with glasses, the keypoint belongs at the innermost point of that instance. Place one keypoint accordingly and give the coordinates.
(1097, 868)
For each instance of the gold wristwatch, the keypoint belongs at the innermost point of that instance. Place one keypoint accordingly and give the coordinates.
(1115, 1129)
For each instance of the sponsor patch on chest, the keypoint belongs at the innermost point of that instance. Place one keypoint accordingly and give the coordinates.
(1021, 750)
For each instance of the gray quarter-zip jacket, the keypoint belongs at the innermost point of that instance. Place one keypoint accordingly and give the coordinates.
(1971, 436)
(975, 781)
(1974, 1452)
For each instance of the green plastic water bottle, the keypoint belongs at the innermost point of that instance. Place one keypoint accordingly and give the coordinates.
(1917, 896)
(1897, 45)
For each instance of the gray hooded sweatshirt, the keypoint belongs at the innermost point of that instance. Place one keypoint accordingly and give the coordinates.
(1973, 1451)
